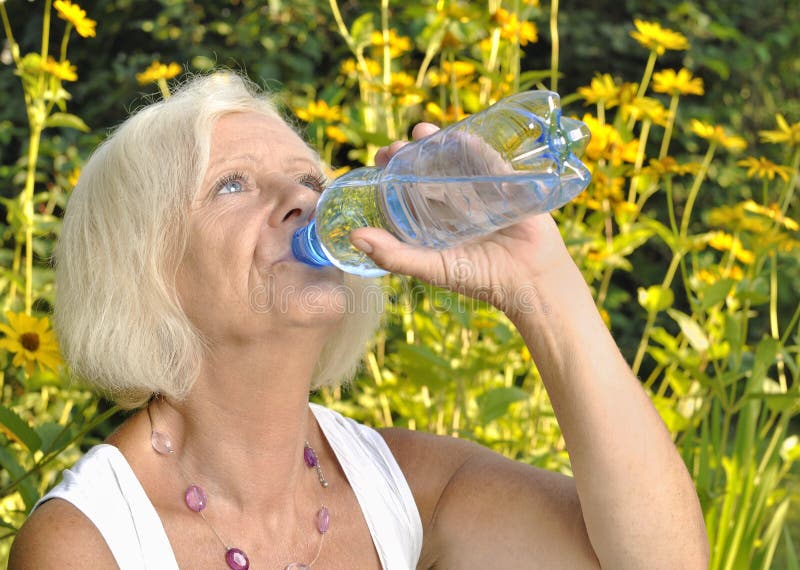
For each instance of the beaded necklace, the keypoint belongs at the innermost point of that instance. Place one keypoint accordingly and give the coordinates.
(196, 499)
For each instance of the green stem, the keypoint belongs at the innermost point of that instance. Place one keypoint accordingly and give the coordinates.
(9, 34)
(671, 118)
(788, 190)
(698, 182)
(430, 53)
(53, 454)
(64, 42)
(27, 208)
(15, 263)
(162, 85)
(648, 72)
(651, 316)
(46, 30)
(351, 43)
(640, 152)
(791, 325)
(555, 45)
(389, 123)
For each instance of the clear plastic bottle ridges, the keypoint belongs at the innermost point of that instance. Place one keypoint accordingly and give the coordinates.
(516, 158)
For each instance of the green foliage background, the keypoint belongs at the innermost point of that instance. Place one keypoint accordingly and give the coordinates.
(717, 353)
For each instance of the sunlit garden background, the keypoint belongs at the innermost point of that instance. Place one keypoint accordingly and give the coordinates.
(688, 234)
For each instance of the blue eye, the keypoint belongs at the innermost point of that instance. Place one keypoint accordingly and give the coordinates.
(230, 184)
(313, 180)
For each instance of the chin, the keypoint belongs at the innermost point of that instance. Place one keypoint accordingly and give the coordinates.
(302, 292)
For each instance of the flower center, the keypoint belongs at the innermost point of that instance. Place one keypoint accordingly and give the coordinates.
(29, 341)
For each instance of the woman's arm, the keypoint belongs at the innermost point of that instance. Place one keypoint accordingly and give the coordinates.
(58, 536)
(634, 494)
(637, 499)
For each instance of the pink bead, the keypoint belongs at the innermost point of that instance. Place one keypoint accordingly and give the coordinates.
(196, 498)
(161, 442)
(237, 559)
(323, 520)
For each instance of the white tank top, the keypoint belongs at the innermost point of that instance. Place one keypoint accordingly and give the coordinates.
(103, 487)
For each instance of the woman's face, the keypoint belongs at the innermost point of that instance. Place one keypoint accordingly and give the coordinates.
(239, 278)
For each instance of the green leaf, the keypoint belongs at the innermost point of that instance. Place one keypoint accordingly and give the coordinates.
(495, 402)
(766, 352)
(655, 298)
(626, 243)
(53, 435)
(715, 293)
(25, 487)
(792, 561)
(690, 328)
(362, 29)
(5, 524)
(18, 429)
(66, 120)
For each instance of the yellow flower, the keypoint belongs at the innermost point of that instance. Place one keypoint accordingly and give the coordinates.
(646, 108)
(451, 115)
(735, 217)
(398, 45)
(772, 212)
(335, 134)
(716, 273)
(723, 241)
(31, 340)
(409, 99)
(655, 38)
(680, 83)
(351, 68)
(334, 173)
(603, 189)
(158, 71)
(400, 82)
(717, 134)
(602, 89)
(786, 133)
(64, 70)
(461, 70)
(320, 110)
(73, 176)
(668, 165)
(607, 144)
(76, 16)
(512, 29)
(764, 168)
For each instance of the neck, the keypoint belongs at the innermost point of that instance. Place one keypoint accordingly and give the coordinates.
(242, 429)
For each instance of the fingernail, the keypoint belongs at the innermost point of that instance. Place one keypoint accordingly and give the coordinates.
(362, 245)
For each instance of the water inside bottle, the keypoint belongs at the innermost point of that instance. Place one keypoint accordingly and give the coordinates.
(441, 212)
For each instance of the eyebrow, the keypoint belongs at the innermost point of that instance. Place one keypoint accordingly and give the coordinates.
(302, 160)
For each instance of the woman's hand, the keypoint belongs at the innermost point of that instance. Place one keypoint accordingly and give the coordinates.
(499, 268)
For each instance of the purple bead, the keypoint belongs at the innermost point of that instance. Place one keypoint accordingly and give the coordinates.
(195, 498)
(323, 520)
(310, 456)
(237, 559)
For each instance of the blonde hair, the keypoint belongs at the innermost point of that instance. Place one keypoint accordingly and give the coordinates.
(119, 319)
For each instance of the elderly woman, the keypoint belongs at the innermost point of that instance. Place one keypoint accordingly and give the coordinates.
(178, 296)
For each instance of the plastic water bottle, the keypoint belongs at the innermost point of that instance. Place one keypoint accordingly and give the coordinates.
(516, 158)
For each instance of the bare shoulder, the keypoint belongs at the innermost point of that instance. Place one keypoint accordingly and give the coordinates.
(58, 535)
(480, 509)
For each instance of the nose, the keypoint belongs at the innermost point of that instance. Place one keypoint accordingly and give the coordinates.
(295, 206)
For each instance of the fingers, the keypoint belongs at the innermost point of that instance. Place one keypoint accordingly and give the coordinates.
(422, 130)
(396, 257)
(385, 153)
(419, 131)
